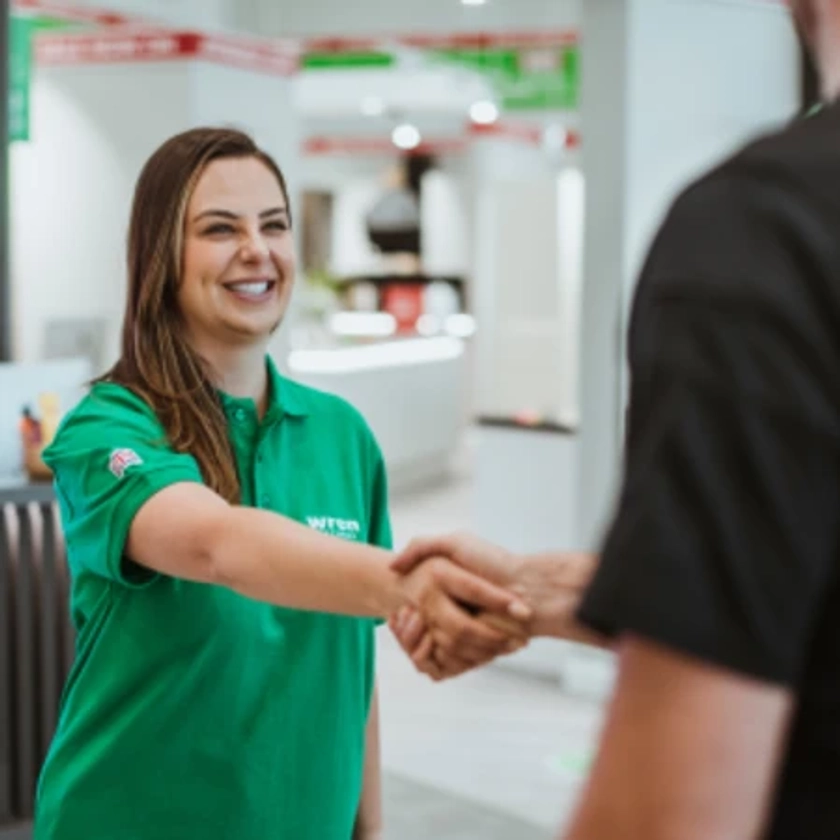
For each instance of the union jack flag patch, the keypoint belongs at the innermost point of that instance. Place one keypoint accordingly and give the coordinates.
(121, 460)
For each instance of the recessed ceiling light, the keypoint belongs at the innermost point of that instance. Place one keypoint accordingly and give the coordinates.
(406, 136)
(373, 106)
(484, 112)
(473, 2)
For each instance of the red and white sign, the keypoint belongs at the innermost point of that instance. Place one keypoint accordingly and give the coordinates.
(532, 134)
(112, 46)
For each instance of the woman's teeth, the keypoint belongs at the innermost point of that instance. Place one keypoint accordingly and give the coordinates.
(250, 288)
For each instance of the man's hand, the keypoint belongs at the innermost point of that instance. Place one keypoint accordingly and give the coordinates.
(448, 600)
(492, 562)
(552, 584)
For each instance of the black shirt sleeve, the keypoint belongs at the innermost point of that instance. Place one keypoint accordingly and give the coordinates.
(725, 538)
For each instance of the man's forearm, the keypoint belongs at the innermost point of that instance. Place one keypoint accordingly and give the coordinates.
(554, 584)
(369, 818)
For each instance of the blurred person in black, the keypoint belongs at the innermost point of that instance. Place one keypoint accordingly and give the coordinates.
(719, 578)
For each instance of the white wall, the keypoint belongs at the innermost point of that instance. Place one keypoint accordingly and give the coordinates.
(445, 222)
(71, 189)
(368, 17)
(703, 77)
(93, 129)
(527, 279)
(700, 76)
(258, 103)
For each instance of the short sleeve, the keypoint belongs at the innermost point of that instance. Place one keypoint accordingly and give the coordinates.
(724, 542)
(110, 456)
(379, 529)
(379, 522)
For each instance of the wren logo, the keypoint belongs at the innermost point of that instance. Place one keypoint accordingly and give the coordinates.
(348, 529)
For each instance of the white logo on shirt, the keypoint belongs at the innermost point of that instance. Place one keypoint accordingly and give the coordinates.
(121, 459)
(348, 529)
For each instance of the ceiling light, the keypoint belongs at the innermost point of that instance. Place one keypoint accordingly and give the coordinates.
(473, 2)
(373, 106)
(406, 136)
(484, 112)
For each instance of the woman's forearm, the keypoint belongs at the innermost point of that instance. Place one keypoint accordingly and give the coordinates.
(271, 558)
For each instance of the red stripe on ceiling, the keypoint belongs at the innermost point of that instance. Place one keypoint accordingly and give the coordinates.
(531, 135)
(485, 40)
(119, 46)
(72, 13)
(466, 40)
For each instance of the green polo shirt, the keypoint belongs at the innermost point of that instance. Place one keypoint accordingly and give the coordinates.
(191, 712)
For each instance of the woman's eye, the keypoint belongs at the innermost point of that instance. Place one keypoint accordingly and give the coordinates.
(277, 226)
(219, 229)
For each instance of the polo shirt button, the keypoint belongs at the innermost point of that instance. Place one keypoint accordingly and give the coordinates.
(239, 414)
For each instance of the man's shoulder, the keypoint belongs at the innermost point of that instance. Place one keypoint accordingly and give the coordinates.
(800, 161)
(779, 190)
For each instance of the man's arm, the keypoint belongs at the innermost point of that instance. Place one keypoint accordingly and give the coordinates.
(369, 818)
(690, 751)
(552, 584)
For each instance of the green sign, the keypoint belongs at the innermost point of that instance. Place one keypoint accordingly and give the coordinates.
(525, 78)
(20, 67)
(347, 60)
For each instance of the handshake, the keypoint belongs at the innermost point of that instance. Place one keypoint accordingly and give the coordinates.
(467, 601)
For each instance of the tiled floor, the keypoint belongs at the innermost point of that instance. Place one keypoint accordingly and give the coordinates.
(490, 755)
(417, 812)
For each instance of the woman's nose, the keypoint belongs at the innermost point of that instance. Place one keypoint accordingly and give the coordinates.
(254, 247)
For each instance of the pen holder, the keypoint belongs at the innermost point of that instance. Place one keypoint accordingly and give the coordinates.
(33, 463)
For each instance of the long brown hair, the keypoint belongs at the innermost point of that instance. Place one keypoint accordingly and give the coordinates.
(156, 362)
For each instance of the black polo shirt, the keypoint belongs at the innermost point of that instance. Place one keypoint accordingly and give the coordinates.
(724, 543)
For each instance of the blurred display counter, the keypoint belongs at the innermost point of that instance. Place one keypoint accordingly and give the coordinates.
(36, 642)
(412, 392)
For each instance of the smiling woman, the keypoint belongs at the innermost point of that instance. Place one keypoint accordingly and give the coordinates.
(227, 534)
(239, 258)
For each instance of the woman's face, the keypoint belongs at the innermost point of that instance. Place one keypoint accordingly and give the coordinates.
(238, 257)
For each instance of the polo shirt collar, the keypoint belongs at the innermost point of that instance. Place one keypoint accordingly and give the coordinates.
(284, 395)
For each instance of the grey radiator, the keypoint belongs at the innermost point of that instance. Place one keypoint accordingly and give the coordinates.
(36, 640)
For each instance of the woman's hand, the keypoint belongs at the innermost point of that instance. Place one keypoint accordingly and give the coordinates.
(438, 663)
(457, 620)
